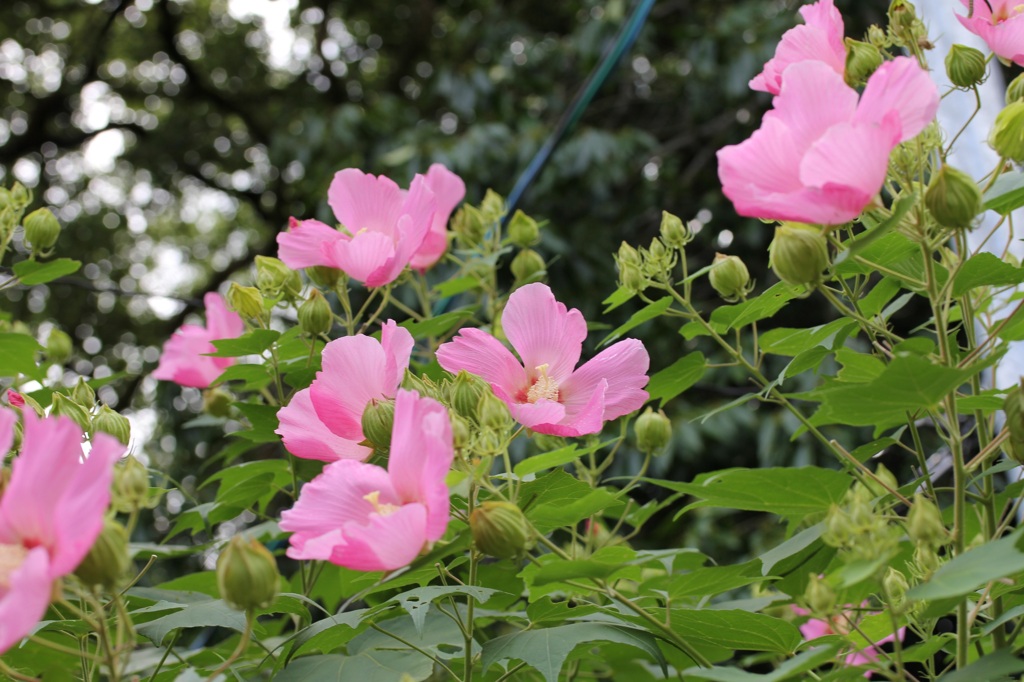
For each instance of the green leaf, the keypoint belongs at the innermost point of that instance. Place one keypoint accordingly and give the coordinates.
(865, 239)
(416, 601)
(974, 568)
(792, 342)
(858, 368)
(32, 272)
(459, 285)
(437, 326)
(19, 355)
(706, 581)
(1006, 194)
(250, 343)
(986, 269)
(798, 665)
(617, 298)
(376, 665)
(791, 547)
(546, 649)
(793, 493)
(558, 499)
(263, 419)
(677, 377)
(736, 630)
(555, 458)
(601, 564)
(994, 666)
(760, 307)
(212, 612)
(326, 634)
(254, 376)
(645, 314)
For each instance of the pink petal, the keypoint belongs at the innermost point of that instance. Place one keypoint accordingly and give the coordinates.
(1005, 38)
(418, 211)
(813, 99)
(821, 39)
(221, 322)
(355, 371)
(536, 416)
(361, 201)
(367, 258)
(397, 344)
(624, 366)
(449, 190)
(815, 628)
(183, 361)
(850, 155)
(384, 542)
(308, 243)
(24, 602)
(768, 162)
(543, 331)
(481, 354)
(900, 86)
(421, 456)
(7, 420)
(306, 436)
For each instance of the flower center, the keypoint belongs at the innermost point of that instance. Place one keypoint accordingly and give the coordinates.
(11, 558)
(544, 387)
(1007, 13)
(384, 509)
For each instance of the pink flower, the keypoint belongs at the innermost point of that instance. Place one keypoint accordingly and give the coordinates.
(1000, 23)
(820, 156)
(544, 392)
(366, 518)
(50, 514)
(15, 398)
(382, 228)
(184, 361)
(820, 39)
(448, 189)
(814, 628)
(324, 421)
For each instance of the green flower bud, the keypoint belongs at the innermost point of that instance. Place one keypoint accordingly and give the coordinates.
(378, 420)
(819, 596)
(926, 561)
(62, 406)
(246, 301)
(1007, 136)
(523, 230)
(1013, 406)
(631, 278)
(108, 559)
(861, 61)
(653, 431)
(323, 276)
(798, 254)
(528, 266)
(460, 432)
(895, 585)
(885, 476)
(20, 195)
(273, 277)
(41, 230)
(673, 232)
(83, 394)
(131, 485)
(658, 255)
(902, 15)
(424, 385)
(965, 66)
(469, 225)
(878, 37)
(953, 198)
(492, 207)
(729, 277)
(1015, 90)
(548, 443)
(466, 392)
(247, 574)
(492, 413)
(839, 529)
(500, 530)
(628, 255)
(58, 346)
(315, 316)
(110, 422)
(924, 523)
(217, 402)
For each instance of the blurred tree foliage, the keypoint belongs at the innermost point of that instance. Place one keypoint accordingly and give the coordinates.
(174, 138)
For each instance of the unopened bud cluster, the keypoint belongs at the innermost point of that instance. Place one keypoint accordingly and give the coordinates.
(80, 406)
(857, 529)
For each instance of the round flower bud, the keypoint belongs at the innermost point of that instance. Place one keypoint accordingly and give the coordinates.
(527, 266)
(423, 385)
(108, 559)
(631, 277)
(877, 36)
(58, 346)
(273, 277)
(1015, 90)
(924, 523)
(378, 420)
(500, 530)
(131, 485)
(493, 206)
(247, 574)
(953, 198)
(217, 402)
(819, 595)
(41, 229)
(673, 232)
(83, 394)
(466, 392)
(861, 61)
(62, 406)
(246, 301)
(110, 422)
(653, 431)
(469, 225)
(492, 413)
(798, 254)
(729, 277)
(523, 230)
(323, 276)
(460, 432)
(895, 585)
(965, 66)
(628, 255)
(20, 195)
(1007, 136)
(315, 316)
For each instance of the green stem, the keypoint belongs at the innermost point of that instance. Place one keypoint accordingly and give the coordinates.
(15, 675)
(243, 644)
(470, 602)
(435, 659)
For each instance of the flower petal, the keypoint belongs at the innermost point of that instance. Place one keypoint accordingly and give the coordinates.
(813, 99)
(306, 436)
(624, 366)
(366, 258)
(25, 601)
(308, 243)
(221, 322)
(397, 344)
(183, 361)
(354, 373)
(543, 331)
(362, 201)
(384, 542)
(851, 155)
(449, 189)
(900, 86)
(481, 354)
(820, 39)
(7, 420)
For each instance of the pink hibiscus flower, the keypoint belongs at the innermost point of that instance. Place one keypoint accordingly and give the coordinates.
(50, 514)
(449, 190)
(821, 155)
(820, 39)
(183, 360)
(366, 518)
(382, 228)
(814, 628)
(544, 392)
(324, 421)
(1000, 23)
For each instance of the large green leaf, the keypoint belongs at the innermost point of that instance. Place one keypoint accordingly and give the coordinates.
(32, 272)
(376, 665)
(558, 499)
(17, 355)
(739, 315)
(645, 314)
(798, 665)
(974, 568)
(439, 325)
(555, 458)
(250, 343)
(736, 630)
(995, 666)
(986, 269)
(677, 377)
(212, 612)
(792, 342)
(546, 649)
(416, 601)
(1006, 194)
(601, 564)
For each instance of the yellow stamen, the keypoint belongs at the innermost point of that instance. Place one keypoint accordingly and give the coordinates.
(11, 558)
(382, 509)
(544, 387)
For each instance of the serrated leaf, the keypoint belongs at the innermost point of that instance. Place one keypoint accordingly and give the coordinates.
(601, 564)
(254, 376)
(263, 419)
(555, 458)
(376, 665)
(213, 612)
(677, 377)
(736, 630)
(416, 602)
(973, 569)
(985, 269)
(32, 272)
(760, 307)
(558, 499)
(645, 314)
(250, 343)
(792, 342)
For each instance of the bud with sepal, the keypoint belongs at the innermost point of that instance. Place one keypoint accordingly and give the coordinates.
(274, 278)
(108, 559)
(378, 420)
(246, 301)
(729, 277)
(62, 406)
(41, 230)
(673, 232)
(1007, 136)
(862, 59)
(953, 198)
(653, 431)
(83, 394)
(500, 530)
(528, 266)
(315, 316)
(58, 347)
(131, 485)
(523, 231)
(965, 66)
(247, 574)
(798, 254)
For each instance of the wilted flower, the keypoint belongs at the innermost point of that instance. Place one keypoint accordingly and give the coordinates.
(184, 360)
